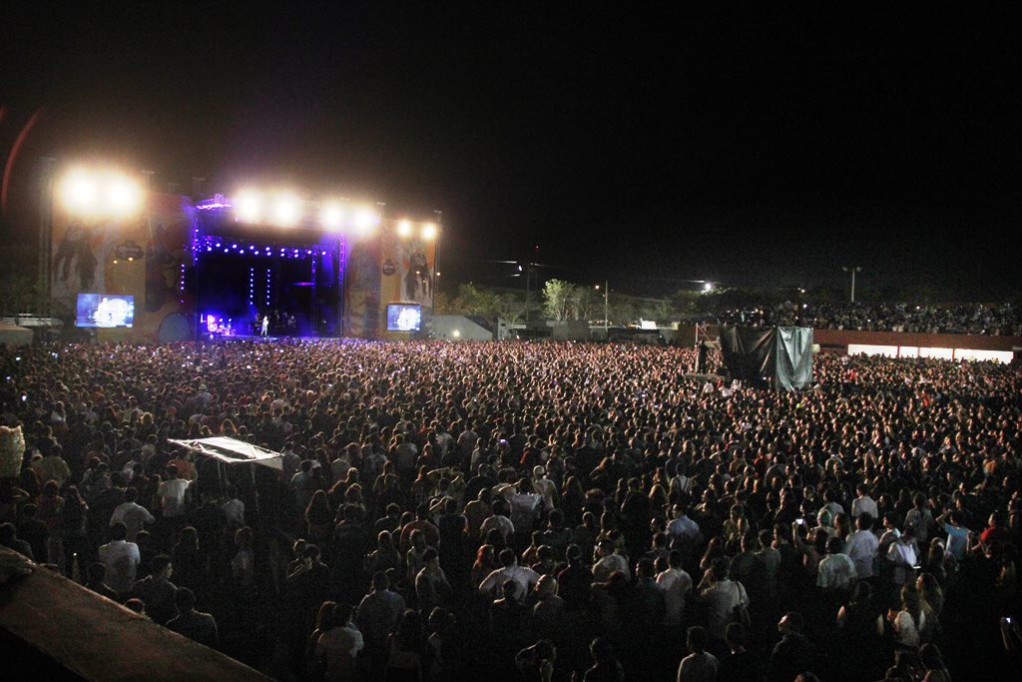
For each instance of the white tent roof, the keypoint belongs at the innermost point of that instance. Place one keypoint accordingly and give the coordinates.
(233, 451)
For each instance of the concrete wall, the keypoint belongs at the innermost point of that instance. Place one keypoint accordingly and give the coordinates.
(459, 328)
(571, 331)
(77, 634)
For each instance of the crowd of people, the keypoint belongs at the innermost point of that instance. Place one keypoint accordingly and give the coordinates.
(995, 320)
(534, 511)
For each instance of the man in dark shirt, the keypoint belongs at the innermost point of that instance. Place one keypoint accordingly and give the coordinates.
(156, 590)
(507, 619)
(575, 581)
(34, 532)
(195, 625)
(95, 581)
(9, 539)
(794, 653)
(740, 664)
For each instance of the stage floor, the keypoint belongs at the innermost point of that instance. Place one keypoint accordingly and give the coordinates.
(273, 339)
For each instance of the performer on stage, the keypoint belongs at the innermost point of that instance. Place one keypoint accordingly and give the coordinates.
(266, 325)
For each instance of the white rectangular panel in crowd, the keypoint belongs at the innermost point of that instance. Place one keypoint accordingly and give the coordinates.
(938, 353)
(1004, 356)
(233, 451)
(867, 349)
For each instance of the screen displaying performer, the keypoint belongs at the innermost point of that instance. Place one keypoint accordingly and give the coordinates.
(105, 311)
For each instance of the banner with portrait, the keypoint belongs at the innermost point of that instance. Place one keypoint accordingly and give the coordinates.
(382, 270)
(146, 257)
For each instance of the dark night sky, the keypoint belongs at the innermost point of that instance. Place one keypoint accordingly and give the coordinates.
(644, 147)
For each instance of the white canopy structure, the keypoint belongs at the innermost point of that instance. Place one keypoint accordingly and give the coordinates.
(233, 451)
(227, 450)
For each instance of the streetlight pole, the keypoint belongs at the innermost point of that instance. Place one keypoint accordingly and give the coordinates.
(606, 308)
(853, 270)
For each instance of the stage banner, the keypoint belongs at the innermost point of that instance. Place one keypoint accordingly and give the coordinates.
(362, 289)
(384, 270)
(146, 257)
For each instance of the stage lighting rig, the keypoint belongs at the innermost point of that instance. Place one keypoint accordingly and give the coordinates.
(100, 193)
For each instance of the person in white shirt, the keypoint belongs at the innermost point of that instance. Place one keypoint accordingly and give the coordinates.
(340, 643)
(676, 585)
(610, 561)
(830, 509)
(700, 665)
(523, 576)
(862, 546)
(544, 487)
(172, 494)
(909, 621)
(837, 570)
(864, 504)
(133, 515)
(682, 529)
(721, 597)
(234, 512)
(121, 559)
(499, 520)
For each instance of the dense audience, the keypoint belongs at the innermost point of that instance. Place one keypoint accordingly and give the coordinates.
(995, 320)
(530, 511)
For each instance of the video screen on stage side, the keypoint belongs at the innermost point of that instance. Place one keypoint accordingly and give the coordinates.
(105, 311)
(402, 317)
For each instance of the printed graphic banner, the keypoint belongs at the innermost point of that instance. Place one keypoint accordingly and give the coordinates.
(146, 257)
(382, 270)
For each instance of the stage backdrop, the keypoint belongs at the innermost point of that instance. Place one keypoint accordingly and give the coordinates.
(147, 257)
(386, 269)
(780, 357)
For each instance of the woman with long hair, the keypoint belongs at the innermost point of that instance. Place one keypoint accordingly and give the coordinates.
(325, 621)
(386, 555)
(908, 623)
(405, 649)
(319, 519)
(187, 562)
(484, 565)
(861, 624)
(73, 513)
(931, 603)
(573, 496)
(50, 503)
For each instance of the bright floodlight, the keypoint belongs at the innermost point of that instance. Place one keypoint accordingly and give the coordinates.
(248, 206)
(708, 287)
(124, 196)
(287, 209)
(331, 215)
(429, 231)
(366, 219)
(102, 193)
(404, 228)
(79, 192)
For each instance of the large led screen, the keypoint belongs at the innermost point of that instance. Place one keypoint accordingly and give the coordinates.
(402, 317)
(105, 311)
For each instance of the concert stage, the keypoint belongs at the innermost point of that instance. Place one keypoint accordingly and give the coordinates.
(247, 273)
